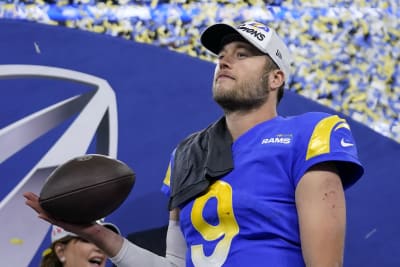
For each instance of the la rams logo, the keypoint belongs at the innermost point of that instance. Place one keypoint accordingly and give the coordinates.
(259, 26)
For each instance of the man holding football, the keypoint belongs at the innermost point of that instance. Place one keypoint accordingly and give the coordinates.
(254, 188)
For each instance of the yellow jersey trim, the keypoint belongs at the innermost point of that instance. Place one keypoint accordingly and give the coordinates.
(321, 137)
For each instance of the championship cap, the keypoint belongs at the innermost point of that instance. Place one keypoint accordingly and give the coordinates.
(57, 232)
(259, 35)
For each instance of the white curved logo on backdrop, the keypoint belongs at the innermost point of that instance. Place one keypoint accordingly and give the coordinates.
(95, 115)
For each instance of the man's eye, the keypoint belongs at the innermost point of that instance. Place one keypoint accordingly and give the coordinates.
(241, 55)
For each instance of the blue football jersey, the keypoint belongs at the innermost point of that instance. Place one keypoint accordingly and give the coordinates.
(249, 217)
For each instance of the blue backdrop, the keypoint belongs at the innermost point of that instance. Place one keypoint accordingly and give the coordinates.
(162, 96)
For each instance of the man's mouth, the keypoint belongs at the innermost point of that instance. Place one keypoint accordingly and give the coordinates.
(224, 76)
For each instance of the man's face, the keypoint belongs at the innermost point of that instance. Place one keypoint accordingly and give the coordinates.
(240, 82)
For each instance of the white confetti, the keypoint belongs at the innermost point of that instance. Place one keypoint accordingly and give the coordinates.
(370, 233)
(396, 128)
(37, 48)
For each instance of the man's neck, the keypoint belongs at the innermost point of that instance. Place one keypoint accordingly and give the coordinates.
(239, 122)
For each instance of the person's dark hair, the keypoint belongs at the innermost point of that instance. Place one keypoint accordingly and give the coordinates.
(270, 66)
(49, 256)
(281, 91)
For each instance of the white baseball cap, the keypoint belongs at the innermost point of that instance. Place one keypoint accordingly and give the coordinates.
(57, 232)
(261, 36)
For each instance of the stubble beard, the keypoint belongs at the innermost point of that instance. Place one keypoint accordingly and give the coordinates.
(244, 97)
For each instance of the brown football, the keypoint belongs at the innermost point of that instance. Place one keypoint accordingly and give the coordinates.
(86, 188)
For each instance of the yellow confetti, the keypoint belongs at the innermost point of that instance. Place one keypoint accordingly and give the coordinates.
(16, 241)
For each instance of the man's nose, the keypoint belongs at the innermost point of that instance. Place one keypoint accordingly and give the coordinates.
(225, 62)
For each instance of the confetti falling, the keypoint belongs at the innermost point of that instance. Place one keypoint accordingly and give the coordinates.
(368, 235)
(37, 48)
(16, 241)
(347, 54)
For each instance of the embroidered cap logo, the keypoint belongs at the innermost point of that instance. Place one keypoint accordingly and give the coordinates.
(255, 29)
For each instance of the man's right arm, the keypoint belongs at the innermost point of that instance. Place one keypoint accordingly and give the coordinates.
(122, 252)
(132, 255)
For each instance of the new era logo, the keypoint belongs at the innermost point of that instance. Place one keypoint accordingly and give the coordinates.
(278, 54)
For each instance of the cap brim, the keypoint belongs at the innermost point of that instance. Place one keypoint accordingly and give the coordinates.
(212, 37)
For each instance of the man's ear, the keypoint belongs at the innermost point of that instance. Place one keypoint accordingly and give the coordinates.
(59, 249)
(276, 79)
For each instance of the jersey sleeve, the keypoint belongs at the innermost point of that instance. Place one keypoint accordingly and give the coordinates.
(329, 139)
(165, 188)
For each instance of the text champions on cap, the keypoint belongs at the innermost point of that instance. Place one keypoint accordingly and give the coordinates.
(259, 35)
